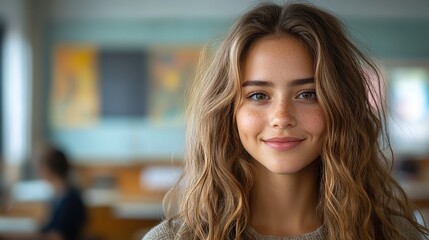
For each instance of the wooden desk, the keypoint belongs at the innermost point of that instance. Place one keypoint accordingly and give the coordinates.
(107, 221)
(105, 225)
(125, 210)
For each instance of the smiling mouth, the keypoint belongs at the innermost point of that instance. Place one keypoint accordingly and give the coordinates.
(283, 144)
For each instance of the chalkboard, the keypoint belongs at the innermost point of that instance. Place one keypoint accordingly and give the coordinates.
(123, 83)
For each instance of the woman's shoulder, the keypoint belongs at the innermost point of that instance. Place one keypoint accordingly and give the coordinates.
(407, 229)
(166, 230)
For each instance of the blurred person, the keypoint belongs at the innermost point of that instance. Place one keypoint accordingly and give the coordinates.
(283, 139)
(68, 214)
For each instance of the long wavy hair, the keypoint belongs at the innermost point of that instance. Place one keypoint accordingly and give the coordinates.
(358, 197)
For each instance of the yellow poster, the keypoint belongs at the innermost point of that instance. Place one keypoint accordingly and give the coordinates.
(74, 92)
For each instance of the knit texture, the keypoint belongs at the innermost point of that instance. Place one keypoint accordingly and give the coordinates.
(168, 230)
(407, 230)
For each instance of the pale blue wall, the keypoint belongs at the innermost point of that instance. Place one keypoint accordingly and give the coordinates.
(392, 39)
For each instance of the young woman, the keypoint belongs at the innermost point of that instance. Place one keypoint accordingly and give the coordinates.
(283, 139)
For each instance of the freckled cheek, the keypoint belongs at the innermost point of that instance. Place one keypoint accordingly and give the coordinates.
(249, 122)
(315, 122)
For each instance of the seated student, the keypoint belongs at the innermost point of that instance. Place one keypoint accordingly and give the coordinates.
(67, 210)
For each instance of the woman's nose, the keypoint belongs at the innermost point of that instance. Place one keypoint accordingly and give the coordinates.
(282, 115)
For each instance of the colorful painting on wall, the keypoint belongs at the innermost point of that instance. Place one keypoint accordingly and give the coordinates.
(171, 70)
(74, 96)
(155, 78)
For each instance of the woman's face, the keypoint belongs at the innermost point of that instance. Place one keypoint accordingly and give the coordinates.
(280, 122)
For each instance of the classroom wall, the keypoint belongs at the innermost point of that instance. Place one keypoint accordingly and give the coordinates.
(125, 138)
(147, 24)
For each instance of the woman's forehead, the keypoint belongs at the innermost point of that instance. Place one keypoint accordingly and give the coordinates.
(275, 59)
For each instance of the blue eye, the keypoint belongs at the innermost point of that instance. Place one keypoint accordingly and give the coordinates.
(308, 95)
(258, 97)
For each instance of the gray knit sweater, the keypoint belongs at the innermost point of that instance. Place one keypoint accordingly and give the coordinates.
(167, 231)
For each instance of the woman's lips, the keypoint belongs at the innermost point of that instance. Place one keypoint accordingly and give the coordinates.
(283, 143)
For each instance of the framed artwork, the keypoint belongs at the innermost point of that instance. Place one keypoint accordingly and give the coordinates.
(172, 69)
(74, 96)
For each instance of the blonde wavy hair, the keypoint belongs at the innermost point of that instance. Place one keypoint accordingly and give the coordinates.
(358, 197)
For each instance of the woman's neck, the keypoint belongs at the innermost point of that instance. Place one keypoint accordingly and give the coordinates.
(285, 204)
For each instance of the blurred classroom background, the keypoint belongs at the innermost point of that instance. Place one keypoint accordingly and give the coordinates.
(105, 80)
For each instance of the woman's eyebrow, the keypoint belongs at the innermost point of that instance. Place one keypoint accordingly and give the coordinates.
(261, 83)
(258, 83)
(303, 81)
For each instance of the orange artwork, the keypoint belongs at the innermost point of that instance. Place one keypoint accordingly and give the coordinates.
(74, 95)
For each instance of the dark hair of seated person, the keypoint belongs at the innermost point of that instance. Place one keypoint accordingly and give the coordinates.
(67, 213)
